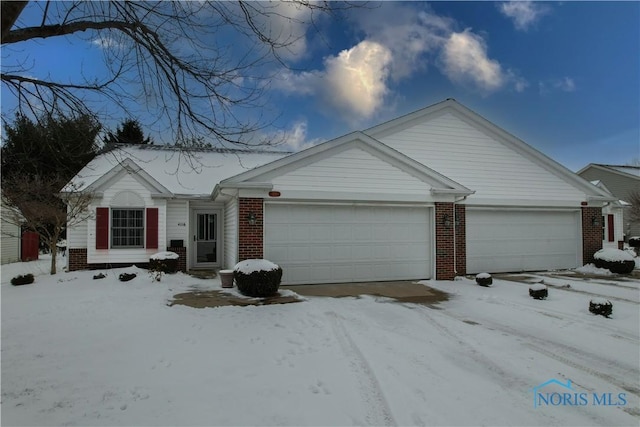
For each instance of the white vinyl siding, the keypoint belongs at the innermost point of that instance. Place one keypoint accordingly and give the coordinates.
(316, 243)
(178, 221)
(476, 160)
(351, 171)
(127, 188)
(522, 240)
(10, 236)
(231, 233)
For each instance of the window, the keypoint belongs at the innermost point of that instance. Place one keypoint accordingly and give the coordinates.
(127, 228)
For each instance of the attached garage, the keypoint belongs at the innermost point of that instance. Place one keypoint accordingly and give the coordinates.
(333, 243)
(501, 240)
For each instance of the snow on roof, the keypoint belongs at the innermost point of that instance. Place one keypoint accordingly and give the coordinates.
(184, 172)
(631, 170)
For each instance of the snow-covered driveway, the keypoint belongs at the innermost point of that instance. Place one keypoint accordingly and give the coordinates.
(81, 352)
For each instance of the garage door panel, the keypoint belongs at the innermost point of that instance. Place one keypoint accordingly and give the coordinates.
(332, 244)
(520, 240)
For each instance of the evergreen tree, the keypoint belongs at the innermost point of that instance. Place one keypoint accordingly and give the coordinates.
(129, 132)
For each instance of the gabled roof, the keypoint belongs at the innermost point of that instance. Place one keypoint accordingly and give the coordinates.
(452, 106)
(257, 177)
(167, 170)
(631, 172)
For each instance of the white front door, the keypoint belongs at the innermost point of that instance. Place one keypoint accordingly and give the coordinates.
(205, 240)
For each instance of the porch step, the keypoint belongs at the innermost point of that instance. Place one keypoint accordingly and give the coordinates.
(203, 274)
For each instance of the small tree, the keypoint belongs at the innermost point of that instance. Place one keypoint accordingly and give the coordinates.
(633, 210)
(129, 132)
(33, 203)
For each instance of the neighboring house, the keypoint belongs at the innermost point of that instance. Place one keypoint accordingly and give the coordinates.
(612, 221)
(621, 181)
(9, 237)
(434, 194)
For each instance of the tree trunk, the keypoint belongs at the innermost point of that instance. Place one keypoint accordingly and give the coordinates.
(54, 253)
(10, 12)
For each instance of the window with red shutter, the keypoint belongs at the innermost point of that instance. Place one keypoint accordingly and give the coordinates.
(152, 228)
(102, 228)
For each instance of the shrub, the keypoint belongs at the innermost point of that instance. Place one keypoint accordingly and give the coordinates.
(614, 260)
(634, 242)
(22, 280)
(257, 277)
(99, 276)
(165, 262)
(538, 291)
(601, 307)
(484, 279)
(125, 277)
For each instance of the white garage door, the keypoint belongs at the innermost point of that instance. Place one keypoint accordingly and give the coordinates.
(333, 243)
(522, 240)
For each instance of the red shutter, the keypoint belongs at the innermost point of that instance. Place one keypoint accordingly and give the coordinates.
(102, 228)
(152, 228)
(610, 228)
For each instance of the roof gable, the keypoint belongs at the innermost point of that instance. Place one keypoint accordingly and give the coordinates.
(128, 166)
(629, 172)
(455, 125)
(371, 150)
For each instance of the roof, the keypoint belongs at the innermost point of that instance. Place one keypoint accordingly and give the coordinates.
(625, 170)
(169, 169)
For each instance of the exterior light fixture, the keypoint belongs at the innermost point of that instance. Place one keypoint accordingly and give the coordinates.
(251, 218)
(595, 221)
(446, 221)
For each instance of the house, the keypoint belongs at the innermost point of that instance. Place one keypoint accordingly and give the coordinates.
(621, 181)
(434, 194)
(9, 237)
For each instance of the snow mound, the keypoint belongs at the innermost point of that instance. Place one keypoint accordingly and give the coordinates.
(600, 301)
(613, 255)
(249, 266)
(164, 255)
(483, 276)
(592, 269)
(537, 287)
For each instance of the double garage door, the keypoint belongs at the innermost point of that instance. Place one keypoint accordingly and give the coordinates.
(522, 240)
(316, 243)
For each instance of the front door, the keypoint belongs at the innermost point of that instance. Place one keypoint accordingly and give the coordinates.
(205, 239)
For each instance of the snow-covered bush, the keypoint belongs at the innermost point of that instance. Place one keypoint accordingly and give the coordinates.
(125, 277)
(164, 262)
(538, 291)
(634, 241)
(484, 279)
(601, 306)
(257, 277)
(615, 260)
(22, 280)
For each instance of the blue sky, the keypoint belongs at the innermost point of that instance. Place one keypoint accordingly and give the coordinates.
(563, 77)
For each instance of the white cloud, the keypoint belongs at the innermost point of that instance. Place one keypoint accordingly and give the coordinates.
(294, 138)
(106, 42)
(565, 84)
(465, 60)
(523, 13)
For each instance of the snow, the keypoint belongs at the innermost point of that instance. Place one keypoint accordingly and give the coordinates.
(483, 276)
(249, 266)
(600, 301)
(592, 269)
(179, 172)
(164, 255)
(537, 287)
(610, 254)
(78, 351)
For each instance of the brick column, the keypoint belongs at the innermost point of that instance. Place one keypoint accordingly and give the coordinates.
(461, 240)
(444, 242)
(77, 259)
(591, 234)
(250, 237)
(182, 261)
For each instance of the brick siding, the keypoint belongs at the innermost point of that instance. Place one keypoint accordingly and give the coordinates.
(250, 237)
(591, 234)
(77, 259)
(445, 269)
(461, 240)
(182, 261)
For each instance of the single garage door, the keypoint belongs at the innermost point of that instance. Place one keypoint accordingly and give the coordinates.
(354, 243)
(522, 240)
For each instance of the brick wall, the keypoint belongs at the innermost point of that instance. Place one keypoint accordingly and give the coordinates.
(444, 242)
(77, 259)
(250, 237)
(461, 240)
(591, 234)
(182, 261)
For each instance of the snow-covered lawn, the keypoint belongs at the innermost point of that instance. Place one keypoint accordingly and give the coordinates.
(77, 351)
